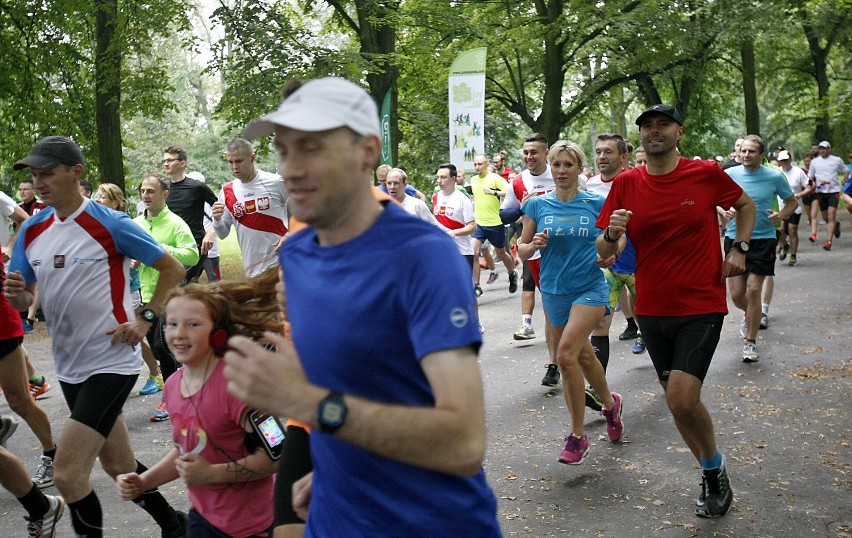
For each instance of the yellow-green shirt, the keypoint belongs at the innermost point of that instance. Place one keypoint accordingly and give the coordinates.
(486, 207)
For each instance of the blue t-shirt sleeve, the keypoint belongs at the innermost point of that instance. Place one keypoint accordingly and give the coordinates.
(441, 302)
(19, 261)
(782, 186)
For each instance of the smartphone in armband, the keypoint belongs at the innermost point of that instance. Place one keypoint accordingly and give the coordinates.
(270, 432)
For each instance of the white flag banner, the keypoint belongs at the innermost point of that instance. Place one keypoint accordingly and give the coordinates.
(467, 108)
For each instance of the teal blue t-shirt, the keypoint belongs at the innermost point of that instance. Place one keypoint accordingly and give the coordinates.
(568, 263)
(763, 186)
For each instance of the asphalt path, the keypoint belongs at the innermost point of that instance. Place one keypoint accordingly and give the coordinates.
(782, 424)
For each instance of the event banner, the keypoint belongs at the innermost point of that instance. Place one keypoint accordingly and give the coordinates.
(467, 107)
(387, 155)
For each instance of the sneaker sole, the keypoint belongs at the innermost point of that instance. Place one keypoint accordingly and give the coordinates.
(707, 515)
(522, 337)
(60, 511)
(575, 462)
(43, 485)
(13, 425)
(159, 419)
(549, 383)
(751, 359)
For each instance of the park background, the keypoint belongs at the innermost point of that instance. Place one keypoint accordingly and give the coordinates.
(127, 78)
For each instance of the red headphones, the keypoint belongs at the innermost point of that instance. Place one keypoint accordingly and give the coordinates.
(219, 336)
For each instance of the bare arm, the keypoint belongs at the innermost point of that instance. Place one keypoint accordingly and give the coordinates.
(468, 229)
(530, 241)
(448, 437)
(616, 229)
(745, 213)
(131, 485)
(171, 274)
(197, 471)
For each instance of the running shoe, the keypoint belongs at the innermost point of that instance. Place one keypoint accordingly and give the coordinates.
(492, 277)
(750, 352)
(716, 495)
(477, 290)
(593, 400)
(793, 261)
(513, 281)
(524, 333)
(812, 238)
(39, 389)
(827, 245)
(575, 450)
(764, 321)
(482, 263)
(782, 252)
(8, 425)
(744, 327)
(638, 345)
(160, 414)
(28, 325)
(629, 333)
(152, 386)
(614, 425)
(46, 526)
(551, 378)
(837, 229)
(44, 474)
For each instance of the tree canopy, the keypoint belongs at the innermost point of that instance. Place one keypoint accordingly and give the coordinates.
(127, 78)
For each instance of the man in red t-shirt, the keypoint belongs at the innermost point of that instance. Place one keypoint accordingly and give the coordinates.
(669, 208)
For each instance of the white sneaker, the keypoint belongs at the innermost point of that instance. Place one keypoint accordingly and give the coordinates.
(764, 321)
(744, 328)
(46, 526)
(524, 333)
(750, 352)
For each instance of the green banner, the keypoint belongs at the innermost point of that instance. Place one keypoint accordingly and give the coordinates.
(387, 155)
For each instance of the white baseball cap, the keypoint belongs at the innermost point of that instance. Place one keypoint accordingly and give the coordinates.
(197, 176)
(321, 105)
(783, 155)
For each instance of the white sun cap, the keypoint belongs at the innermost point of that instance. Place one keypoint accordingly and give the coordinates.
(321, 105)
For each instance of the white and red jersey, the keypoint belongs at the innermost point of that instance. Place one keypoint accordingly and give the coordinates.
(82, 266)
(453, 212)
(258, 211)
(598, 185)
(527, 182)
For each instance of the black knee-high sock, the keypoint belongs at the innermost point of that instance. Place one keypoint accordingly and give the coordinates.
(35, 503)
(87, 517)
(631, 323)
(601, 346)
(154, 503)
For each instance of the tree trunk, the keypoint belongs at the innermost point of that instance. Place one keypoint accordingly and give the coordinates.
(752, 112)
(819, 55)
(108, 93)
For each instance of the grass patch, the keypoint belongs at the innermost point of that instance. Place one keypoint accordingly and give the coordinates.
(231, 258)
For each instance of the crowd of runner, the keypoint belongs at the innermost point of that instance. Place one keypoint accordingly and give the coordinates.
(382, 432)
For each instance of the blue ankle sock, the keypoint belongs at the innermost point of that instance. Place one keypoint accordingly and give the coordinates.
(713, 463)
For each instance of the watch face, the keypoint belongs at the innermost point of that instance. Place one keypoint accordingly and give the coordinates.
(148, 315)
(332, 413)
(743, 246)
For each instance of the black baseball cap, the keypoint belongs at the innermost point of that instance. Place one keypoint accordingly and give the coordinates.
(50, 152)
(665, 110)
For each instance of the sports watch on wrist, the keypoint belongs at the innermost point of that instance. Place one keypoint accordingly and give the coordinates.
(742, 246)
(331, 413)
(148, 315)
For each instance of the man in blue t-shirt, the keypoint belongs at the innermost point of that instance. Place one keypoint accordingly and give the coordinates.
(384, 371)
(762, 184)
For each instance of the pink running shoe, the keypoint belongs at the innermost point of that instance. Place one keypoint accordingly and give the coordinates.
(614, 425)
(574, 451)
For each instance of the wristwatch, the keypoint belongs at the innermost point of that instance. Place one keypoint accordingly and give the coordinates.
(742, 246)
(331, 413)
(148, 315)
(607, 238)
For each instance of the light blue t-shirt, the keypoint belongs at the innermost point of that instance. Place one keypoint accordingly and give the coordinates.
(568, 263)
(763, 186)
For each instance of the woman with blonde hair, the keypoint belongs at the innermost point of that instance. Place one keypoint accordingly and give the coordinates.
(573, 290)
